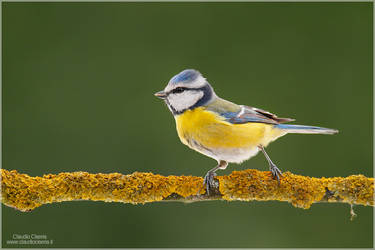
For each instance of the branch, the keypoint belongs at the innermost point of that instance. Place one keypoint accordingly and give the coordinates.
(26, 193)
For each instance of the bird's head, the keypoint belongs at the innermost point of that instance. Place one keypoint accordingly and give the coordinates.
(186, 90)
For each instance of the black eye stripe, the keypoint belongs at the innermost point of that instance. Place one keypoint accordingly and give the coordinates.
(179, 90)
(182, 89)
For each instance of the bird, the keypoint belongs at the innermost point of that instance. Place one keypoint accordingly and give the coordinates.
(223, 130)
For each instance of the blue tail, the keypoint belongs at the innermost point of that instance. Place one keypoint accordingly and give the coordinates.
(301, 129)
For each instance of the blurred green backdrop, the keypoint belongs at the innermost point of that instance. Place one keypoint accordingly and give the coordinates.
(78, 84)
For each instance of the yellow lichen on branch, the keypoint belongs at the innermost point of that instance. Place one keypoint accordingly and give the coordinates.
(26, 193)
(301, 191)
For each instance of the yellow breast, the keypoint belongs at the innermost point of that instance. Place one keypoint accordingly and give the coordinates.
(212, 131)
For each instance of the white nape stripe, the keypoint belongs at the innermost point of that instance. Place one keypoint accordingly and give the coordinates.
(197, 83)
(184, 100)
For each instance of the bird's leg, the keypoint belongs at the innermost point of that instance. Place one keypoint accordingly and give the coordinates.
(209, 177)
(276, 173)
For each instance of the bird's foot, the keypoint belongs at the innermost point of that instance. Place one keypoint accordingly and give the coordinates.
(276, 172)
(209, 181)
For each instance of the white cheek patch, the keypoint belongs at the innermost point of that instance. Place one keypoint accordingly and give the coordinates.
(184, 100)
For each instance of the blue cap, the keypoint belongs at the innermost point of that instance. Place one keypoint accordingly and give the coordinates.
(186, 76)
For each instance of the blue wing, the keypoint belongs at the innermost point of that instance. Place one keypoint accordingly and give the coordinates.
(251, 114)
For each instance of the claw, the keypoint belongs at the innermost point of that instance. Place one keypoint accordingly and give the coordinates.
(276, 173)
(209, 181)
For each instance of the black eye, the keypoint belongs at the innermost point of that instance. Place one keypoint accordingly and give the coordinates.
(178, 90)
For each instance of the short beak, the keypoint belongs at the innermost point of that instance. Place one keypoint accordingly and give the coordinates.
(161, 94)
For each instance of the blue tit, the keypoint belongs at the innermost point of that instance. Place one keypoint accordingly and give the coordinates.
(220, 129)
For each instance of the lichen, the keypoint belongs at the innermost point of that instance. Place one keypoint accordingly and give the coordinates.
(301, 191)
(26, 193)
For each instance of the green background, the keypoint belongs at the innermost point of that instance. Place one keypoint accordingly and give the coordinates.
(78, 84)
